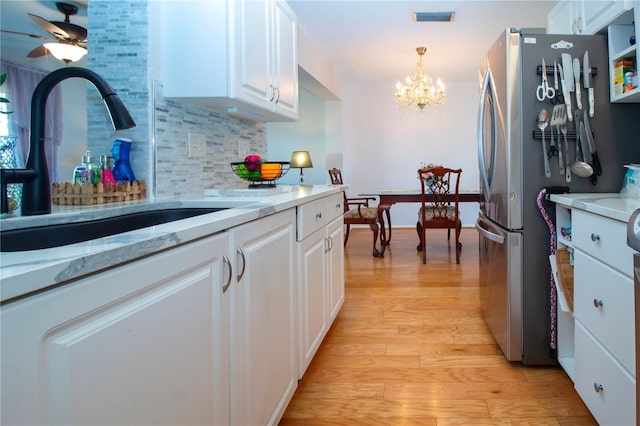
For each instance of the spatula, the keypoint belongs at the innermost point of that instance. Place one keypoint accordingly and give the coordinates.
(559, 117)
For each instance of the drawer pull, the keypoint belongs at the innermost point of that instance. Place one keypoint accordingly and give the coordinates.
(318, 215)
(597, 303)
(338, 205)
(597, 387)
(595, 237)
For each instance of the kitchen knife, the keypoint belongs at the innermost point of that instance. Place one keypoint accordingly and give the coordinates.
(584, 144)
(576, 75)
(587, 81)
(592, 146)
(568, 80)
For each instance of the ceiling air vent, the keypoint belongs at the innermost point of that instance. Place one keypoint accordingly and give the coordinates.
(433, 16)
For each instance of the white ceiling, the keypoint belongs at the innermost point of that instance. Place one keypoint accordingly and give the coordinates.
(367, 39)
(376, 39)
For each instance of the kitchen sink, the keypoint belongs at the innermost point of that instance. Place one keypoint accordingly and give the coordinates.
(41, 237)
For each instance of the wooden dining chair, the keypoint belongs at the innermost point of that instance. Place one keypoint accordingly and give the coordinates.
(437, 210)
(357, 211)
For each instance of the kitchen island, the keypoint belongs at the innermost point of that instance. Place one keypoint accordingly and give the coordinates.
(595, 317)
(194, 321)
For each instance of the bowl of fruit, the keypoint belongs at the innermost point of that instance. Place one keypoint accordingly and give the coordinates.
(258, 172)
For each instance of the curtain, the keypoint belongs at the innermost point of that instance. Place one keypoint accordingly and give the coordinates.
(19, 86)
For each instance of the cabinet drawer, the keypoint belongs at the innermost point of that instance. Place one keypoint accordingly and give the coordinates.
(603, 238)
(335, 206)
(603, 303)
(318, 214)
(615, 403)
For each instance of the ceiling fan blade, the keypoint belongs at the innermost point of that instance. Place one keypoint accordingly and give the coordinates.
(49, 27)
(38, 52)
(25, 34)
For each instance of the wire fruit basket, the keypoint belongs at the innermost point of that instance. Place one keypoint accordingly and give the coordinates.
(260, 174)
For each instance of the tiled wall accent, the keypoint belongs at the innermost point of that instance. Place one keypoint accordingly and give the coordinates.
(118, 51)
(177, 174)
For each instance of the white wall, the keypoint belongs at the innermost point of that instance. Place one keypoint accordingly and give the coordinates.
(383, 146)
(306, 134)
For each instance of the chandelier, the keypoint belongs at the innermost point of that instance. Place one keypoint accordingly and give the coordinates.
(419, 88)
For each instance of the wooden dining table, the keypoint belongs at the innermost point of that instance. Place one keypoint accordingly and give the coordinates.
(388, 197)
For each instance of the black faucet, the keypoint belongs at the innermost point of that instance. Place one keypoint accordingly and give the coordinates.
(36, 188)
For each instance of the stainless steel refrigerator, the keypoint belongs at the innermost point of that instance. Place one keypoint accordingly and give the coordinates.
(514, 238)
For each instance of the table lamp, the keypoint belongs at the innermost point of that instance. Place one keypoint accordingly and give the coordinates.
(301, 160)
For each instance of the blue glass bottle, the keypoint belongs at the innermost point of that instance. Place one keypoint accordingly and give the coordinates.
(120, 151)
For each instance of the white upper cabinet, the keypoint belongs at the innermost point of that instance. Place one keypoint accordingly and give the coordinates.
(239, 56)
(584, 16)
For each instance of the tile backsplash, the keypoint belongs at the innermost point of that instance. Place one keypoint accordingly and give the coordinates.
(119, 52)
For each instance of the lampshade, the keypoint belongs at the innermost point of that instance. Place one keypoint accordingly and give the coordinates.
(66, 52)
(301, 159)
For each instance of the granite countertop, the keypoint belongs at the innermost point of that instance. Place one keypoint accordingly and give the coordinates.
(612, 205)
(28, 271)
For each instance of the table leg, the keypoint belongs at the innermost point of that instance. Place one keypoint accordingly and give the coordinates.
(382, 208)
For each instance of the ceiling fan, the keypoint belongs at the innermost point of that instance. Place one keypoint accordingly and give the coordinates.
(70, 42)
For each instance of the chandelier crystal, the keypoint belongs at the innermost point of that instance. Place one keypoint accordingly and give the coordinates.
(419, 89)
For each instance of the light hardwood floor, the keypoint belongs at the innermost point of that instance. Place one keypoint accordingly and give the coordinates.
(410, 347)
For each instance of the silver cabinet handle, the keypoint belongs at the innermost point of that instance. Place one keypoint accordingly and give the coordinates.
(595, 237)
(597, 303)
(339, 205)
(273, 92)
(330, 243)
(244, 263)
(277, 90)
(597, 387)
(228, 263)
(319, 215)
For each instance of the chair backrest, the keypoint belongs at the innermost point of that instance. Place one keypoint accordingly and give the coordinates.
(440, 182)
(336, 176)
(336, 179)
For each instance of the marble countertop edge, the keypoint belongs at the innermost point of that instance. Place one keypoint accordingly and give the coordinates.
(28, 271)
(612, 205)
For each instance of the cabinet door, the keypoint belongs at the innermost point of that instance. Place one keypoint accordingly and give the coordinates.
(335, 268)
(312, 296)
(253, 52)
(263, 336)
(285, 60)
(561, 18)
(145, 343)
(598, 14)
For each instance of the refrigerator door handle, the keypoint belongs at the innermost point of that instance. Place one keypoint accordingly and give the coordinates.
(487, 85)
(482, 225)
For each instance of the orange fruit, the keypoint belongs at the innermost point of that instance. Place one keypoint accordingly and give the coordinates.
(270, 171)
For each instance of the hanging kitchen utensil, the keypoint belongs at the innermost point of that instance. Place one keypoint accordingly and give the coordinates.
(567, 168)
(592, 147)
(580, 167)
(544, 91)
(558, 116)
(555, 75)
(576, 76)
(543, 122)
(584, 145)
(588, 81)
(567, 81)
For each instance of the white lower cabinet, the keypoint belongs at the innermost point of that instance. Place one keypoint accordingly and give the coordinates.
(605, 387)
(596, 342)
(263, 320)
(320, 273)
(143, 343)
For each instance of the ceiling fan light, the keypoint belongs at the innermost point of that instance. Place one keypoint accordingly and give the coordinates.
(66, 52)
